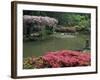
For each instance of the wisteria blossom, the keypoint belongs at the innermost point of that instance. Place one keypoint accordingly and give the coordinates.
(40, 20)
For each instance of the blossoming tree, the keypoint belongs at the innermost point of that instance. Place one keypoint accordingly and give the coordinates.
(39, 22)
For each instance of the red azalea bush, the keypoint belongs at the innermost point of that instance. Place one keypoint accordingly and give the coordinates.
(67, 58)
(63, 58)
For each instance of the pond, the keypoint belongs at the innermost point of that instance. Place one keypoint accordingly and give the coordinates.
(40, 47)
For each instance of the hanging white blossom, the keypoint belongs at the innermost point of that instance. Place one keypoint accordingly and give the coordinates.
(40, 20)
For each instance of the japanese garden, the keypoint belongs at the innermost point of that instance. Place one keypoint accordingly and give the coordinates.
(56, 39)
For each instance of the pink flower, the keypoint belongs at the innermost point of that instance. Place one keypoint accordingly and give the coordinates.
(67, 58)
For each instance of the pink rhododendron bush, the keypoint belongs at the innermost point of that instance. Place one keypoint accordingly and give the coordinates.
(63, 58)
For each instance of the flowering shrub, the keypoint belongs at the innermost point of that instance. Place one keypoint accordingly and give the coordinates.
(67, 58)
(43, 20)
(63, 58)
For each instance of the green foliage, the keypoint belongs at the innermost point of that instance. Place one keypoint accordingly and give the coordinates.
(27, 64)
(81, 20)
(49, 30)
